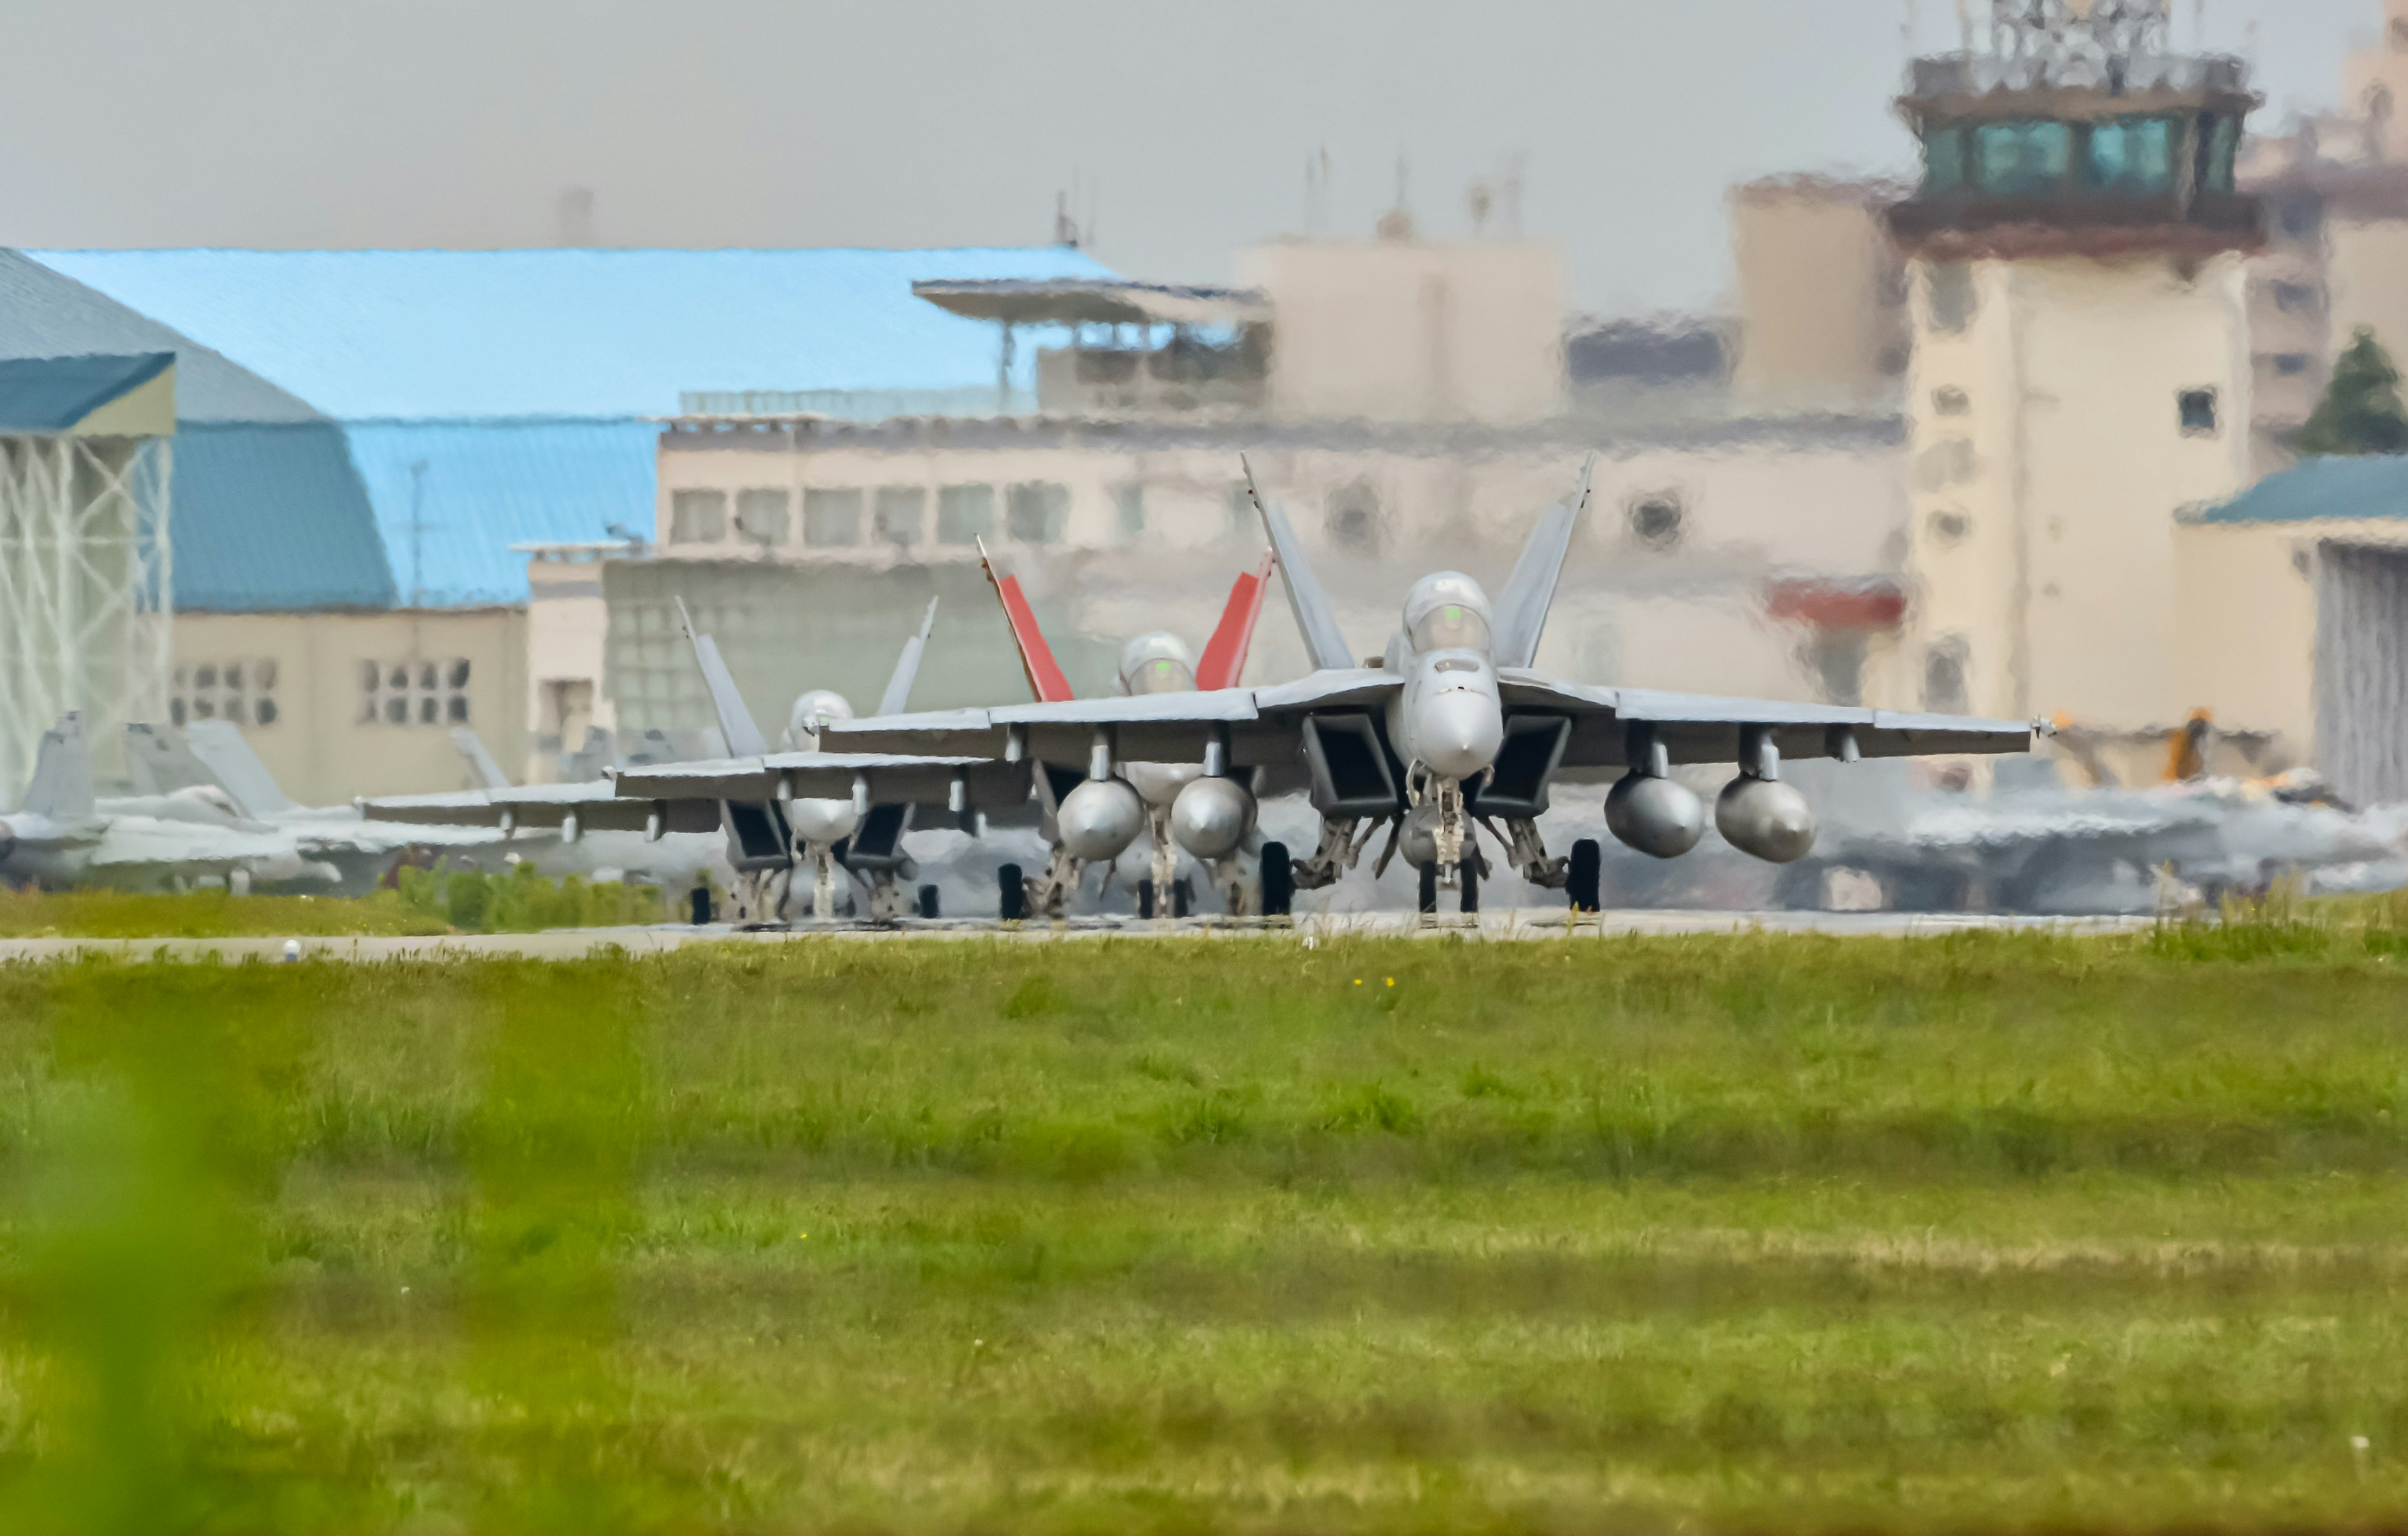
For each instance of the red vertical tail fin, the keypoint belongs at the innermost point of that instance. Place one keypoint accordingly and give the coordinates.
(1225, 654)
(1045, 677)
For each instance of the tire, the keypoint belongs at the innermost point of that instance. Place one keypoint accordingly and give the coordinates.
(928, 901)
(1469, 875)
(1014, 889)
(699, 903)
(1585, 883)
(1429, 888)
(1182, 897)
(1279, 881)
(1145, 899)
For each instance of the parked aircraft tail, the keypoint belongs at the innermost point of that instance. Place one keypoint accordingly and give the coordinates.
(237, 768)
(743, 737)
(1324, 641)
(159, 761)
(1530, 591)
(1045, 677)
(897, 697)
(1225, 654)
(62, 787)
(472, 747)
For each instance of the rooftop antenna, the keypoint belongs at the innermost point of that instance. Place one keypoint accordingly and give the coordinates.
(1398, 222)
(1065, 229)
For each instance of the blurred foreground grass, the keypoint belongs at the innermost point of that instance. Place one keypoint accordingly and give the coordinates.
(426, 902)
(1765, 1231)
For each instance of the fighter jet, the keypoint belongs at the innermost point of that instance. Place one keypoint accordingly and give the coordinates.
(762, 801)
(1218, 832)
(1449, 730)
(65, 836)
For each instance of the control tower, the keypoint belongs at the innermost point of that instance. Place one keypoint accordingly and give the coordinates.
(2081, 359)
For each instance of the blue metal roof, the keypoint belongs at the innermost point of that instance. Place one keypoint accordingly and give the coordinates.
(462, 335)
(51, 395)
(450, 498)
(270, 516)
(2374, 485)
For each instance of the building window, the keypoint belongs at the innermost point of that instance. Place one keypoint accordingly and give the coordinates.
(764, 516)
(897, 512)
(1657, 521)
(697, 517)
(1128, 504)
(2219, 153)
(1949, 526)
(1945, 664)
(1953, 300)
(2020, 159)
(2294, 298)
(2132, 154)
(1944, 160)
(1950, 402)
(965, 513)
(2197, 411)
(831, 519)
(241, 693)
(2288, 364)
(417, 692)
(1351, 518)
(2302, 220)
(1037, 512)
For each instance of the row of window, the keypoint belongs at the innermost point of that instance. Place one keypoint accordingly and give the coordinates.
(416, 692)
(1035, 512)
(242, 693)
(2134, 156)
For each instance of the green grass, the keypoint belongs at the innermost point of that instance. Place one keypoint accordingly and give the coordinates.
(424, 902)
(1728, 1233)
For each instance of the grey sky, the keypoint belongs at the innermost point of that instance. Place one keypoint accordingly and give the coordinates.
(363, 122)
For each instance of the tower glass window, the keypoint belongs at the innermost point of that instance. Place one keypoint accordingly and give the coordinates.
(2133, 154)
(1944, 160)
(2220, 145)
(2022, 159)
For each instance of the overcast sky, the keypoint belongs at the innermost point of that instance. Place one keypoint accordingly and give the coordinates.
(1186, 123)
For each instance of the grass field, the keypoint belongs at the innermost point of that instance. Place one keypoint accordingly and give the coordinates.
(459, 902)
(1758, 1233)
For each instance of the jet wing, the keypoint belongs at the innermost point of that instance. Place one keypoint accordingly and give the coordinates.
(598, 803)
(1263, 725)
(146, 840)
(888, 779)
(1703, 728)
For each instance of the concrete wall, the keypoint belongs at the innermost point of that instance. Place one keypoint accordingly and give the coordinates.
(1821, 289)
(1409, 332)
(2051, 463)
(321, 745)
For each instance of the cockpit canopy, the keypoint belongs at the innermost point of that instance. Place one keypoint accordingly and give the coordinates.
(1447, 612)
(813, 710)
(1157, 663)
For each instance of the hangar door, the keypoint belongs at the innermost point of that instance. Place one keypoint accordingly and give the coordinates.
(2362, 671)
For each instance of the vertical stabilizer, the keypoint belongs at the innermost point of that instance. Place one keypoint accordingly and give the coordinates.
(1324, 641)
(237, 768)
(897, 697)
(1225, 654)
(481, 763)
(62, 787)
(1045, 678)
(159, 761)
(743, 737)
(1530, 591)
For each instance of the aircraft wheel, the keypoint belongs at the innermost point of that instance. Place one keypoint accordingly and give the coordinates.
(1470, 886)
(927, 902)
(1429, 888)
(1182, 897)
(1014, 888)
(1587, 882)
(1279, 881)
(699, 902)
(1145, 899)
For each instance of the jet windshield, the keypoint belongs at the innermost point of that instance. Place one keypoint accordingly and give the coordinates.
(1451, 626)
(1160, 675)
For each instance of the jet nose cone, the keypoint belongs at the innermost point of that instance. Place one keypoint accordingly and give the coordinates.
(1458, 733)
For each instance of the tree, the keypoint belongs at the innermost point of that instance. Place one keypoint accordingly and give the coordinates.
(2361, 412)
